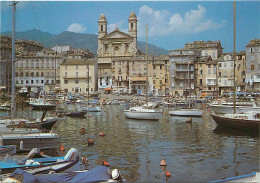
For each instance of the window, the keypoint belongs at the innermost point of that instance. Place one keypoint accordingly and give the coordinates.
(66, 74)
(66, 67)
(21, 81)
(65, 81)
(219, 73)
(76, 81)
(42, 65)
(154, 82)
(101, 28)
(160, 67)
(47, 65)
(219, 65)
(77, 66)
(209, 66)
(31, 81)
(200, 81)
(154, 67)
(77, 74)
(32, 74)
(201, 71)
(42, 81)
(32, 65)
(132, 26)
(42, 74)
(252, 67)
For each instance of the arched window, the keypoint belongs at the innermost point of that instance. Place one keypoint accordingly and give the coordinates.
(101, 28)
(116, 50)
(132, 26)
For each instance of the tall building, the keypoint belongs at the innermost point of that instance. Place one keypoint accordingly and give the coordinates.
(6, 64)
(253, 65)
(182, 76)
(113, 45)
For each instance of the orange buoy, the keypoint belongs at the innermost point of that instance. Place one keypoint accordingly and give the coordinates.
(209, 109)
(102, 134)
(90, 142)
(163, 163)
(167, 174)
(62, 148)
(41, 153)
(105, 163)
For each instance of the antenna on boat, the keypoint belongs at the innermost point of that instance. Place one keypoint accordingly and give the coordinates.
(234, 57)
(146, 65)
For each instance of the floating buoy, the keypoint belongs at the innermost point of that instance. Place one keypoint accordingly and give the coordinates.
(163, 163)
(105, 163)
(62, 148)
(90, 142)
(41, 153)
(188, 120)
(82, 131)
(102, 134)
(167, 174)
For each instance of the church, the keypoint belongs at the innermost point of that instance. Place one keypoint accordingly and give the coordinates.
(114, 45)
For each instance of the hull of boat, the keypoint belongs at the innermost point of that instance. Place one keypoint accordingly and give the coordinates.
(143, 115)
(188, 113)
(236, 123)
(46, 107)
(30, 141)
(76, 114)
(9, 149)
(253, 177)
(92, 109)
(45, 125)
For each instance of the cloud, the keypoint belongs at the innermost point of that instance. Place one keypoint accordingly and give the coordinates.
(119, 25)
(163, 22)
(76, 28)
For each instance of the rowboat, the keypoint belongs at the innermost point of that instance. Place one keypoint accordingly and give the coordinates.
(253, 177)
(9, 149)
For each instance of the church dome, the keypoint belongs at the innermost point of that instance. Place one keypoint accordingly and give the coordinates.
(132, 16)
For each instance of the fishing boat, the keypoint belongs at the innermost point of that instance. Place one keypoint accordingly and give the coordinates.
(9, 149)
(145, 112)
(92, 109)
(76, 114)
(252, 177)
(41, 103)
(97, 174)
(43, 163)
(249, 120)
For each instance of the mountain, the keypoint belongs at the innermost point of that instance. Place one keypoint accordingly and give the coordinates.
(76, 40)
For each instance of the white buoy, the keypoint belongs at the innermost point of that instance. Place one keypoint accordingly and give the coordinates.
(21, 145)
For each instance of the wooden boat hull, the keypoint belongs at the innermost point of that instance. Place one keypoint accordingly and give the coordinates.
(143, 115)
(187, 113)
(236, 123)
(30, 141)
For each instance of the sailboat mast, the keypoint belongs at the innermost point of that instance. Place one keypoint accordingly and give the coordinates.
(146, 88)
(234, 57)
(13, 61)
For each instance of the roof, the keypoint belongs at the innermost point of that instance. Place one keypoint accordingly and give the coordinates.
(254, 42)
(79, 62)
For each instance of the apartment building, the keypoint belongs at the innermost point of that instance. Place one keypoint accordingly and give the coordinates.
(253, 65)
(78, 75)
(182, 76)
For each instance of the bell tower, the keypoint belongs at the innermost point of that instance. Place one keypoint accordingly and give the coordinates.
(132, 27)
(102, 28)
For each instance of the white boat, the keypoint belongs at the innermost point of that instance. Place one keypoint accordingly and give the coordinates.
(41, 103)
(253, 177)
(144, 112)
(187, 112)
(92, 109)
(148, 110)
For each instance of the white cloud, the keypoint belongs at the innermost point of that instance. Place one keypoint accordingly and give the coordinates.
(162, 22)
(76, 28)
(119, 25)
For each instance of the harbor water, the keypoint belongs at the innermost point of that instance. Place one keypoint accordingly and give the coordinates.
(194, 152)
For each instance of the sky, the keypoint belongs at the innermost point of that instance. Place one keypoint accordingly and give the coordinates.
(171, 24)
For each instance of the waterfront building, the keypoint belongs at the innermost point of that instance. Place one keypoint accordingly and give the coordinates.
(114, 45)
(206, 75)
(27, 46)
(182, 76)
(77, 74)
(6, 64)
(253, 65)
(38, 70)
(226, 72)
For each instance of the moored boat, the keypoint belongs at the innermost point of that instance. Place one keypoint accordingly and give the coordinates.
(253, 177)
(249, 121)
(9, 149)
(187, 112)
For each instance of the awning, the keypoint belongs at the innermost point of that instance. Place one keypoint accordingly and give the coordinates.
(107, 89)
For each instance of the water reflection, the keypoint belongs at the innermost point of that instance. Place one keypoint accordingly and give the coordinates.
(194, 152)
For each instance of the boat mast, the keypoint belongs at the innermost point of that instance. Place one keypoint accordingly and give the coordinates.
(189, 78)
(234, 57)
(88, 83)
(146, 88)
(13, 61)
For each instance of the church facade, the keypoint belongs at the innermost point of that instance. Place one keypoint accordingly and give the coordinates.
(114, 45)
